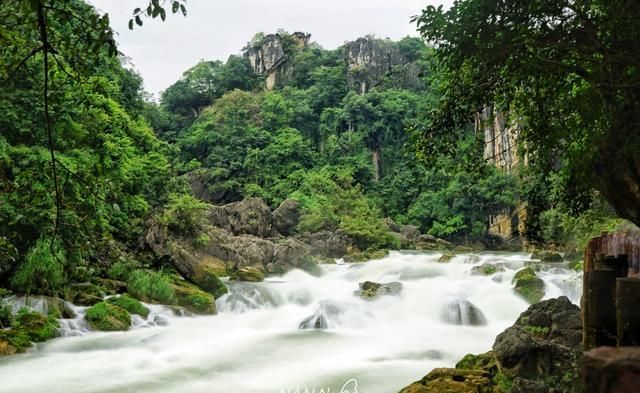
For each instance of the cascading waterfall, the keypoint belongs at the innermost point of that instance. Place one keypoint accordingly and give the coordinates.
(259, 343)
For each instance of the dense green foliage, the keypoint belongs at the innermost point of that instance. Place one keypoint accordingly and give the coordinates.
(111, 169)
(344, 156)
(568, 71)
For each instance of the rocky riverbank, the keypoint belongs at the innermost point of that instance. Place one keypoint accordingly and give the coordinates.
(540, 353)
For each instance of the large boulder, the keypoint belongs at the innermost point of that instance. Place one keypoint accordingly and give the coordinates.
(541, 352)
(330, 244)
(218, 251)
(543, 344)
(108, 317)
(248, 273)
(285, 217)
(251, 216)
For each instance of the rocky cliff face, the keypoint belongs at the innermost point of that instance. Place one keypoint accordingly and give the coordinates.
(268, 57)
(501, 139)
(370, 60)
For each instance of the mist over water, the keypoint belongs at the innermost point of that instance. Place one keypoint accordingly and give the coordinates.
(255, 344)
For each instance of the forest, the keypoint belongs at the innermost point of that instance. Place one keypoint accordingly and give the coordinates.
(288, 156)
(350, 157)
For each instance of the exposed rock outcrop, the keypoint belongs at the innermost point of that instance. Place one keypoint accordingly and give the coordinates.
(331, 244)
(286, 217)
(370, 60)
(251, 216)
(269, 55)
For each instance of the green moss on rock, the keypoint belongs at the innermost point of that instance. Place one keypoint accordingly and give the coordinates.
(248, 273)
(210, 282)
(528, 285)
(38, 327)
(367, 255)
(108, 317)
(193, 298)
(133, 306)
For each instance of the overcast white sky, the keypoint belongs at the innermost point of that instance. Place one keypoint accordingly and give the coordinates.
(215, 29)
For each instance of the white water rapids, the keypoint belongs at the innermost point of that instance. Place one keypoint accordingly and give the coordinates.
(255, 345)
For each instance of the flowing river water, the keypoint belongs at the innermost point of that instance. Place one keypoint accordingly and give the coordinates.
(255, 343)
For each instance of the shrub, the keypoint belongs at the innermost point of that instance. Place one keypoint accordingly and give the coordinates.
(6, 315)
(150, 286)
(183, 214)
(42, 270)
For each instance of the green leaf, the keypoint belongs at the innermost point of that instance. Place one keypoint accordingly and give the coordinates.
(138, 20)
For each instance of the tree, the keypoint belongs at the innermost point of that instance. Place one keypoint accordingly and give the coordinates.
(567, 69)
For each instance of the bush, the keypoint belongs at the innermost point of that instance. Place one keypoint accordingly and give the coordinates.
(43, 269)
(150, 286)
(6, 315)
(183, 214)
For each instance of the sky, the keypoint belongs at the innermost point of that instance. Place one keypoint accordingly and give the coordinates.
(215, 29)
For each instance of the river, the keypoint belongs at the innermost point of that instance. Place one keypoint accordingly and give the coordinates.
(255, 344)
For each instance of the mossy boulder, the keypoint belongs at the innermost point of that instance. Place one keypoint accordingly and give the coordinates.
(442, 380)
(370, 290)
(547, 256)
(193, 299)
(13, 341)
(38, 327)
(485, 361)
(356, 255)
(486, 269)
(446, 257)
(84, 294)
(248, 273)
(528, 285)
(108, 317)
(27, 327)
(210, 282)
(133, 306)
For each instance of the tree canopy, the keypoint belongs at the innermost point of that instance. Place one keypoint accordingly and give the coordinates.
(566, 69)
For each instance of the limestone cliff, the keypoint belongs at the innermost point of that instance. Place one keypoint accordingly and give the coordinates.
(501, 137)
(269, 55)
(370, 60)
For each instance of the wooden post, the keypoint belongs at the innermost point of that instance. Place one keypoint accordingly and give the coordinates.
(627, 311)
